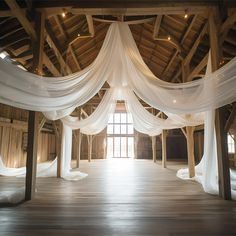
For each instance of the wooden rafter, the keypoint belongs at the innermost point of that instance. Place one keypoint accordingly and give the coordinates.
(195, 45)
(19, 14)
(198, 68)
(188, 29)
(181, 42)
(231, 118)
(157, 26)
(229, 22)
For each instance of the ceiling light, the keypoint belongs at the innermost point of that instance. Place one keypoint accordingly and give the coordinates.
(63, 14)
(174, 101)
(185, 15)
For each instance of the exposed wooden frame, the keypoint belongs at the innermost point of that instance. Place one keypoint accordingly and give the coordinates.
(20, 15)
(221, 135)
(198, 68)
(230, 119)
(157, 26)
(172, 10)
(31, 160)
(39, 43)
(154, 148)
(190, 149)
(225, 27)
(164, 154)
(195, 45)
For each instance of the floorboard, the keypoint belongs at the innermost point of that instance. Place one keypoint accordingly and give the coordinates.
(119, 197)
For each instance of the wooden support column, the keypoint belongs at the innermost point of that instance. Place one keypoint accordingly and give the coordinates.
(31, 161)
(136, 140)
(190, 147)
(33, 123)
(220, 120)
(79, 140)
(90, 147)
(164, 156)
(154, 148)
(58, 132)
(222, 154)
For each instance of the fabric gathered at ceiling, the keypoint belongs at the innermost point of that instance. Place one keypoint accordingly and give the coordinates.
(121, 65)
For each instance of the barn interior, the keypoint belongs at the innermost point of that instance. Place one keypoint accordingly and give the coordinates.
(131, 187)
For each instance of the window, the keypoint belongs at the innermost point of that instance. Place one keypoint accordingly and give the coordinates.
(231, 143)
(120, 135)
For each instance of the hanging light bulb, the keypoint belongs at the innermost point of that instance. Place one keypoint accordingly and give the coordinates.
(185, 14)
(63, 14)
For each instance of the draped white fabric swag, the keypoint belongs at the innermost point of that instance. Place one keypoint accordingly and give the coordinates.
(121, 65)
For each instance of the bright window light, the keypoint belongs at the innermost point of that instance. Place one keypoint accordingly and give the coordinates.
(3, 55)
(231, 144)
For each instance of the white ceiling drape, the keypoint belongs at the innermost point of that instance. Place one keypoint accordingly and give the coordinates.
(120, 64)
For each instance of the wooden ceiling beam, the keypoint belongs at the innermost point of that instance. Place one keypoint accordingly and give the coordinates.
(38, 45)
(173, 10)
(170, 62)
(157, 26)
(75, 58)
(52, 42)
(89, 19)
(20, 15)
(198, 68)
(195, 45)
(181, 42)
(231, 118)
(188, 29)
(226, 26)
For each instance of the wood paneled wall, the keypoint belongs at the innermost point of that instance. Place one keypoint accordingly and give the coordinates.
(12, 151)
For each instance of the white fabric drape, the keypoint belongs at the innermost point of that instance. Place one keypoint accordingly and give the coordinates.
(121, 65)
(98, 120)
(206, 172)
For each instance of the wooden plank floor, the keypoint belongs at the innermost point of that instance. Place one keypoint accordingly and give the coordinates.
(119, 198)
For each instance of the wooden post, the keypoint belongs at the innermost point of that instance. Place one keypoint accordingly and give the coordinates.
(31, 161)
(190, 147)
(164, 158)
(220, 120)
(222, 154)
(58, 147)
(79, 140)
(136, 140)
(154, 148)
(90, 146)
(33, 123)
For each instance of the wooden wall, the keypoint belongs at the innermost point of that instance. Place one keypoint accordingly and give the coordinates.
(98, 150)
(13, 136)
(12, 148)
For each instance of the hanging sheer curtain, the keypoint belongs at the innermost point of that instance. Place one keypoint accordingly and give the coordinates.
(206, 172)
(121, 65)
